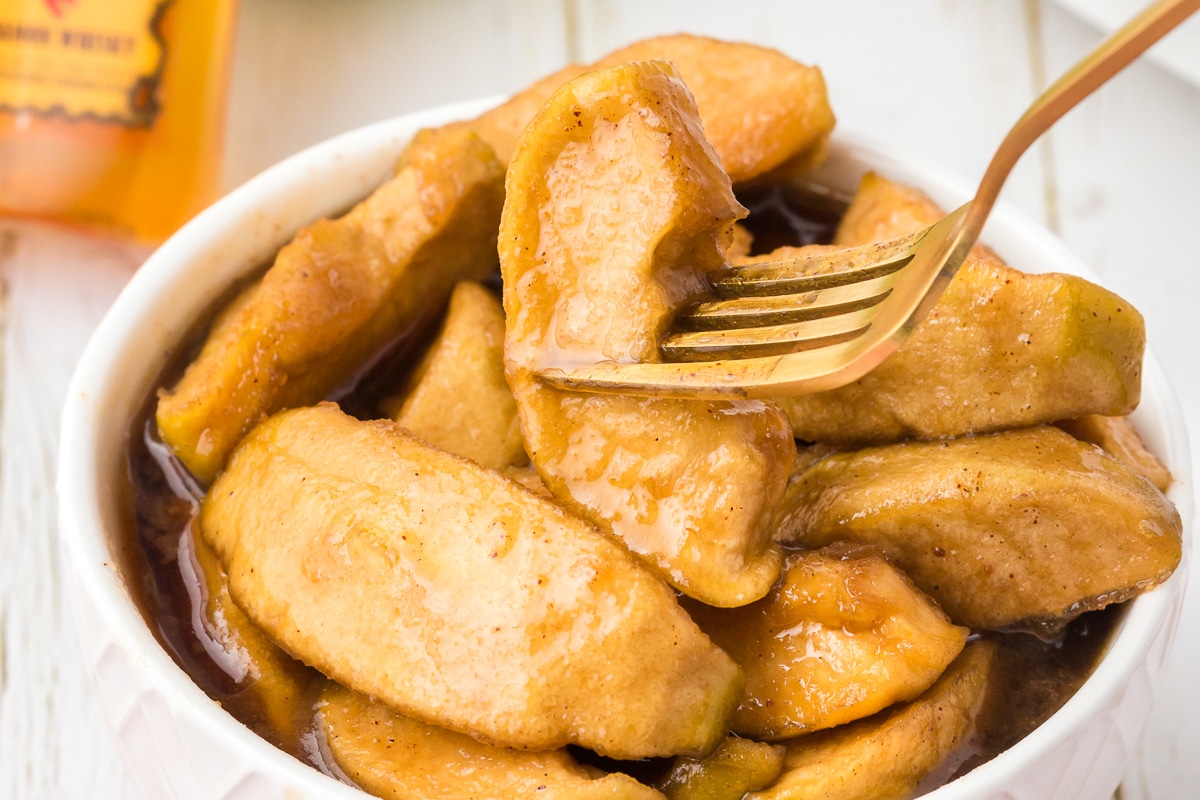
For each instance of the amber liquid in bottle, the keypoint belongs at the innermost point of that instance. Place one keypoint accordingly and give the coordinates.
(111, 111)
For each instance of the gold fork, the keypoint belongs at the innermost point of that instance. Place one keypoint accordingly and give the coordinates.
(814, 323)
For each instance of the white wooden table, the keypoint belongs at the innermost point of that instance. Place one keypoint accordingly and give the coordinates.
(1119, 180)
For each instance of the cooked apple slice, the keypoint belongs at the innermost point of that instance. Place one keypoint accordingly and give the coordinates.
(886, 756)
(458, 398)
(760, 108)
(610, 222)
(238, 646)
(1003, 530)
(400, 758)
(742, 258)
(336, 294)
(457, 596)
(1117, 437)
(528, 477)
(843, 635)
(736, 767)
(740, 245)
(1001, 349)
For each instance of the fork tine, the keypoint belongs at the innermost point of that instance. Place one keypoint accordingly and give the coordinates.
(844, 347)
(816, 272)
(822, 368)
(811, 355)
(744, 312)
(767, 340)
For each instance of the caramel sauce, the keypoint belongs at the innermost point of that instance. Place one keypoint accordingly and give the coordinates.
(1032, 679)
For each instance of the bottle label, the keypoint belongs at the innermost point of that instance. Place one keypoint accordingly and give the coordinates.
(82, 59)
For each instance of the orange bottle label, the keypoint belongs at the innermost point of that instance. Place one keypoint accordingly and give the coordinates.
(93, 59)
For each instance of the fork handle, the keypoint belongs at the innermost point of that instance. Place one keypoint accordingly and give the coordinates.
(1113, 55)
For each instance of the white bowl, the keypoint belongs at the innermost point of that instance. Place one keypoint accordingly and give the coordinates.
(178, 743)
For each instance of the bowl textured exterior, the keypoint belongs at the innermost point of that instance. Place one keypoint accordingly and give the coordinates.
(177, 743)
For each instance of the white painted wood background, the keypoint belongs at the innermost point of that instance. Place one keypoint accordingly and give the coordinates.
(1119, 180)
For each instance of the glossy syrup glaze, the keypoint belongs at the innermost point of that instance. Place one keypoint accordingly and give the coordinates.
(1032, 680)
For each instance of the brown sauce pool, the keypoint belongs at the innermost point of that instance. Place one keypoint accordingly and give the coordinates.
(1032, 678)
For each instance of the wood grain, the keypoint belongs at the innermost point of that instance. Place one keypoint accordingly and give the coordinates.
(53, 741)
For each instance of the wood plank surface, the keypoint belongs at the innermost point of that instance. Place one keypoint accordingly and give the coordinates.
(53, 740)
(942, 79)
